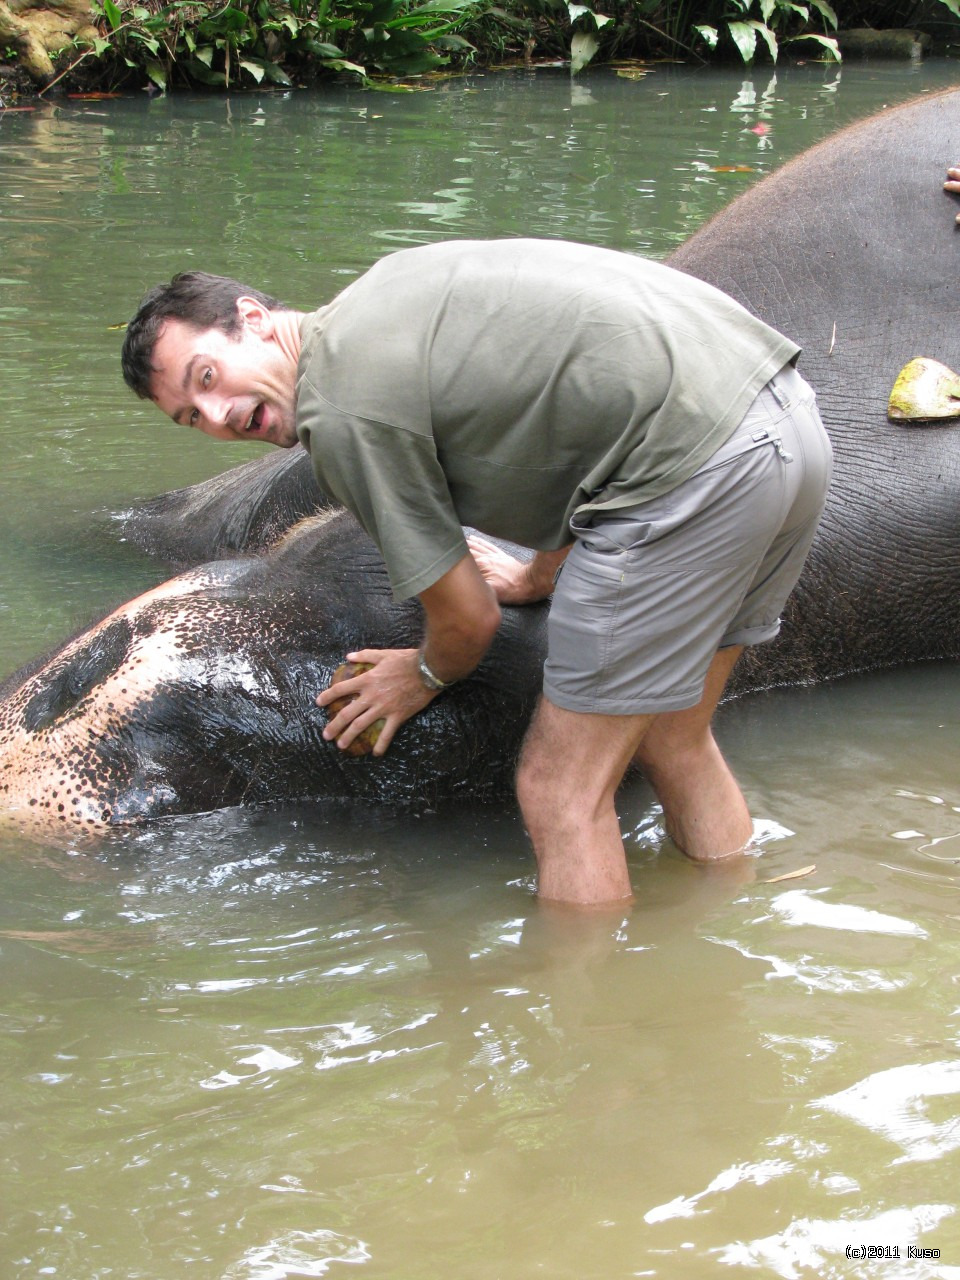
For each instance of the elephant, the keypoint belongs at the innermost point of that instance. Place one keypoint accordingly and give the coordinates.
(199, 694)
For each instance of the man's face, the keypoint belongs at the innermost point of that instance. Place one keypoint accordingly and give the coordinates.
(232, 388)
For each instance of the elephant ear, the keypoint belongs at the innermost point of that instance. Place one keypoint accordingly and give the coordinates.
(246, 508)
(924, 393)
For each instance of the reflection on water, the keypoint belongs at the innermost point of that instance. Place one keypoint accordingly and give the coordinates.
(893, 1104)
(275, 1044)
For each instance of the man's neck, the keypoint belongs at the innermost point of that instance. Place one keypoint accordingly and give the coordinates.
(286, 330)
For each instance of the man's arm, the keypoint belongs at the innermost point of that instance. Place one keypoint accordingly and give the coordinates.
(953, 183)
(462, 617)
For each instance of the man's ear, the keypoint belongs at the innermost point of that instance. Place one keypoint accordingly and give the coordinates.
(255, 316)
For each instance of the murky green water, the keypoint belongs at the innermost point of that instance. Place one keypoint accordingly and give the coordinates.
(250, 1047)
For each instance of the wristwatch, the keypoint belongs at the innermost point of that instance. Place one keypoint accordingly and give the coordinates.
(433, 683)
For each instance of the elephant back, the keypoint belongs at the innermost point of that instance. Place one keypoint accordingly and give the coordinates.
(852, 249)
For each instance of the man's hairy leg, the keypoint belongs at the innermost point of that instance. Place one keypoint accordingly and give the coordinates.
(572, 764)
(704, 811)
(569, 771)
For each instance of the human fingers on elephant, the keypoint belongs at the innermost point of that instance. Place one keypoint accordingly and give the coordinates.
(354, 730)
(502, 571)
(387, 688)
(953, 183)
(362, 736)
(366, 740)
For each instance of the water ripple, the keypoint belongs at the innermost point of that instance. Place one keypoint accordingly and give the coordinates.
(894, 1104)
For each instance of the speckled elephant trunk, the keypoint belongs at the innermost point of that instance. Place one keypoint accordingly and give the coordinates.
(200, 694)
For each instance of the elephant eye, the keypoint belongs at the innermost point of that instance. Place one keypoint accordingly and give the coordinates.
(67, 685)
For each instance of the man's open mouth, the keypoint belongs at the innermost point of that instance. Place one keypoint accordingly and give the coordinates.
(256, 419)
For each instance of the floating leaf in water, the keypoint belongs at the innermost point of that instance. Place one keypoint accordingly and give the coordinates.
(792, 875)
(79, 941)
(732, 168)
(760, 129)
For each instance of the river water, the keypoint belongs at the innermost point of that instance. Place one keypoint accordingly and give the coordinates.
(248, 1046)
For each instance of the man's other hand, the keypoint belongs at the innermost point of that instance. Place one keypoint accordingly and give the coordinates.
(953, 183)
(516, 581)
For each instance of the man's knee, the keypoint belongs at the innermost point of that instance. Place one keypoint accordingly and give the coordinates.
(546, 760)
(534, 775)
(573, 761)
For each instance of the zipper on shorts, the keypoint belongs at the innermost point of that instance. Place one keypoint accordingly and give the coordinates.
(759, 437)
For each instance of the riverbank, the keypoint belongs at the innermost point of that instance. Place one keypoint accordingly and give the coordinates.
(62, 46)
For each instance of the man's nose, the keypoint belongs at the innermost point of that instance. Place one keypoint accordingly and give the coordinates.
(216, 410)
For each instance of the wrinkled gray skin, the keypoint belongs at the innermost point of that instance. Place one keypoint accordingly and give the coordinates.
(852, 250)
(200, 694)
(246, 509)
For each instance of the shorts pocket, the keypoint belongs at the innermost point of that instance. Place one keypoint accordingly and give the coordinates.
(583, 618)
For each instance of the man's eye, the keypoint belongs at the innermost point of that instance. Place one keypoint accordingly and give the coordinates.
(207, 375)
(194, 417)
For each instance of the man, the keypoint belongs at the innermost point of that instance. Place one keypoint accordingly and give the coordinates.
(637, 428)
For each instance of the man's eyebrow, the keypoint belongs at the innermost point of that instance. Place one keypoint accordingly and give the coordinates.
(188, 371)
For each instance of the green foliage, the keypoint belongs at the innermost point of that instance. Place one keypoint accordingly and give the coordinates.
(751, 27)
(589, 30)
(256, 41)
(583, 42)
(248, 42)
(581, 31)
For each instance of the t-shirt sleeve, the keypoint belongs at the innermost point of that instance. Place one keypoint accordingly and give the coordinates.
(391, 480)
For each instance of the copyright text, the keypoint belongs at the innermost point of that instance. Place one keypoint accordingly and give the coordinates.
(880, 1251)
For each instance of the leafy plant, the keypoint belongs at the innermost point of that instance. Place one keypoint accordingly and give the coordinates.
(196, 41)
(222, 43)
(584, 43)
(776, 19)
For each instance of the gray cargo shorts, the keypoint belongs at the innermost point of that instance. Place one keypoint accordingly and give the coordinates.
(649, 594)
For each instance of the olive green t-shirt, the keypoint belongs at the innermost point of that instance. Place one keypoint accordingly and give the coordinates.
(511, 384)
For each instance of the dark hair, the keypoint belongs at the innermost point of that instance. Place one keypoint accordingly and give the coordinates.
(198, 299)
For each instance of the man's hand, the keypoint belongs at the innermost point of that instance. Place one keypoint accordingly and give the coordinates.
(391, 691)
(516, 581)
(953, 183)
(461, 617)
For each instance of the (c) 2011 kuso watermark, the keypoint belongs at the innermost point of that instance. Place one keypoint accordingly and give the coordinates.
(886, 1252)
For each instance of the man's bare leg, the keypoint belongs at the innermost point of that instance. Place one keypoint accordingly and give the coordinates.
(569, 771)
(572, 764)
(704, 811)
